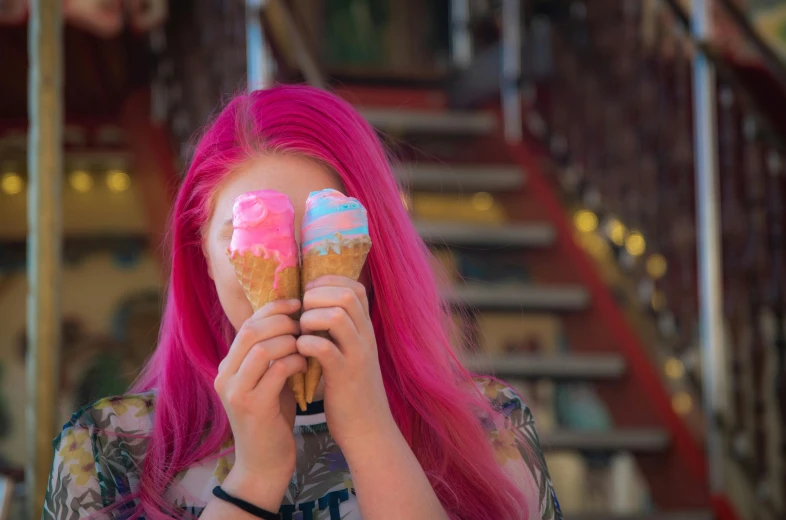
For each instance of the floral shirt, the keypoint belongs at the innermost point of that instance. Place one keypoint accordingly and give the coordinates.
(99, 452)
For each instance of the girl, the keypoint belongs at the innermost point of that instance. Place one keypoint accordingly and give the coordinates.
(399, 429)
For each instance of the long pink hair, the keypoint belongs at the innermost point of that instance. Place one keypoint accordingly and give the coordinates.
(432, 397)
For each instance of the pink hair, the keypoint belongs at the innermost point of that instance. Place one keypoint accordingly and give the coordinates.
(432, 397)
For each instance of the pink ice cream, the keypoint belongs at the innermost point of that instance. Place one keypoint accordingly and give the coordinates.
(330, 218)
(264, 223)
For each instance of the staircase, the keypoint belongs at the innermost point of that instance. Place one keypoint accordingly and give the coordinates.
(494, 219)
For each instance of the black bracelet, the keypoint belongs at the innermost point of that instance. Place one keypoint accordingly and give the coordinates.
(245, 506)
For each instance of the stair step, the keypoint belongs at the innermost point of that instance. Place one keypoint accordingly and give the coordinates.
(519, 296)
(464, 234)
(440, 177)
(636, 440)
(425, 122)
(567, 367)
(675, 515)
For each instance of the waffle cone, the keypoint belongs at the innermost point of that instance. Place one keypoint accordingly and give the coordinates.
(348, 262)
(257, 275)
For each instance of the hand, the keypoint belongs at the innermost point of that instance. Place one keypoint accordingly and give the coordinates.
(252, 385)
(356, 405)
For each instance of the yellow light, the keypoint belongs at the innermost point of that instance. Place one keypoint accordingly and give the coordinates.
(12, 183)
(656, 266)
(616, 231)
(682, 402)
(658, 300)
(674, 368)
(482, 201)
(81, 181)
(118, 180)
(586, 221)
(635, 244)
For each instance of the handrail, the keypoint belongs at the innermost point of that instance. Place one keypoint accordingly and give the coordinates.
(774, 64)
(733, 77)
(771, 60)
(622, 110)
(708, 248)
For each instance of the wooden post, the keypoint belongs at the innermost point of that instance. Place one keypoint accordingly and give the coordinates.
(44, 241)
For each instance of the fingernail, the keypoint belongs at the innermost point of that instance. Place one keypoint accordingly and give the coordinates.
(294, 302)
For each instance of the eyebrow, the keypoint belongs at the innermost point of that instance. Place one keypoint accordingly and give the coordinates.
(228, 222)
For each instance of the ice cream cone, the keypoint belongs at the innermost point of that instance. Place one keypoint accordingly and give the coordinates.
(334, 241)
(262, 284)
(257, 275)
(345, 260)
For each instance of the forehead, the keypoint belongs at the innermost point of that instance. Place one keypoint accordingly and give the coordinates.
(291, 175)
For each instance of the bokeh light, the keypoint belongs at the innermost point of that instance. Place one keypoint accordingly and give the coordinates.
(656, 266)
(682, 402)
(616, 231)
(586, 221)
(674, 368)
(118, 180)
(635, 244)
(81, 181)
(12, 183)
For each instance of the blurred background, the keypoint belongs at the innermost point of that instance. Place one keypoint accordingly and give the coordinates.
(549, 152)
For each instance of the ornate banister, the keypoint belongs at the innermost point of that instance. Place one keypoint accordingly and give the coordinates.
(620, 121)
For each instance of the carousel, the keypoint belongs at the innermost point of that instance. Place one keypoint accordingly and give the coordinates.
(86, 177)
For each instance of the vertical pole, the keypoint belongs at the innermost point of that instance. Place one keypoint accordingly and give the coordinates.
(460, 36)
(259, 60)
(511, 70)
(44, 241)
(709, 248)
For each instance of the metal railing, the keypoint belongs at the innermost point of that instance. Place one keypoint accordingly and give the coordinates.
(630, 126)
(710, 289)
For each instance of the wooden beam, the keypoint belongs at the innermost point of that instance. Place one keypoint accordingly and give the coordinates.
(45, 218)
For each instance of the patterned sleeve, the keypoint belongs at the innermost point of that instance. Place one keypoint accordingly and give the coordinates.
(518, 449)
(97, 459)
(73, 491)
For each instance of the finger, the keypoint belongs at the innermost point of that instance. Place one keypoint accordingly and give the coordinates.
(253, 332)
(259, 360)
(324, 350)
(336, 322)
(270, 321)
(344, 297)
(275, 307)
(342, 281)
(276, 376)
